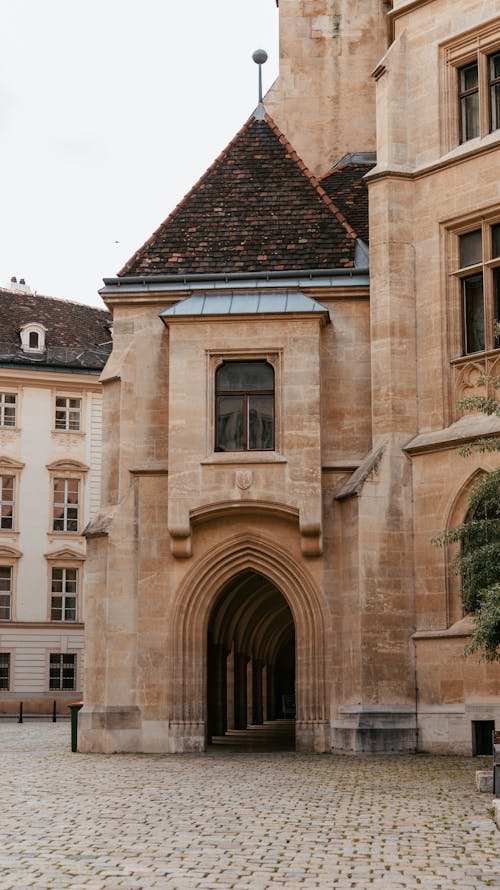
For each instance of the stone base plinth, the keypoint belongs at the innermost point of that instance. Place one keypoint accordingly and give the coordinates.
(374, 730)
(312, 736)
(110, 730)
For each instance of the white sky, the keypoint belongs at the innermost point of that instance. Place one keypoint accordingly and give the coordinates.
(110, 110)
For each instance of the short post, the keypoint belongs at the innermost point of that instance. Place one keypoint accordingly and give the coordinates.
(20, 718)
(54, 711)
(74, 708)
(496, 763)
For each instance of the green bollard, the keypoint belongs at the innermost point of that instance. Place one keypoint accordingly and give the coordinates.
(74, 707)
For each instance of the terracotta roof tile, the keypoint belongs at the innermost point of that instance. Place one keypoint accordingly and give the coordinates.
(348, 191)
(77, 335)
(256, 209)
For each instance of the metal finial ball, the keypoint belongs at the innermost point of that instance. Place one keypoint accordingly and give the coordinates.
(259, 56)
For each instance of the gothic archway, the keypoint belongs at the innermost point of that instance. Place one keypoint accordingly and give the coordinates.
(251, 663)
(198, 595)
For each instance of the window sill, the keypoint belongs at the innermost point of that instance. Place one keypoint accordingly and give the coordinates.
(53, 534)
(245, 457)
(68, 432)
(485, 353)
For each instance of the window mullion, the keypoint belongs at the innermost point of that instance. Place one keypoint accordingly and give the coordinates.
(484, 96)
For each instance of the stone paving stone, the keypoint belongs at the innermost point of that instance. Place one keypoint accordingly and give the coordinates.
(238, 820)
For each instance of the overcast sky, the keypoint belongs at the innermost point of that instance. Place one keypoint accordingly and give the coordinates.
(110, 110)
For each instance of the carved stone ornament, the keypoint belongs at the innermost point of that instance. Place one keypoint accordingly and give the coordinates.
(244, 479)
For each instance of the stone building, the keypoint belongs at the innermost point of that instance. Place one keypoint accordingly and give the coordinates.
(280, 407)
(51, 354)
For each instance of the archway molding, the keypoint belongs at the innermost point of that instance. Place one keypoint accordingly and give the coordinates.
(195, 601)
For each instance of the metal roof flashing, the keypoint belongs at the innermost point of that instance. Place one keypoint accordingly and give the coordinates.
(238, 303)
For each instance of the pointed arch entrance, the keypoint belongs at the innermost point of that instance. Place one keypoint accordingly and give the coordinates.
(253, 560)
(250, 657)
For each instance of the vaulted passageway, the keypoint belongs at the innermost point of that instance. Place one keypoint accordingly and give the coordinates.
(251, 664)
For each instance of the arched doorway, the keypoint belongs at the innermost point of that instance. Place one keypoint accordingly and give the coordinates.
(251, 661)
(200, 591)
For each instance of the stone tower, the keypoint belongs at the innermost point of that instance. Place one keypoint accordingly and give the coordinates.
(324, 97)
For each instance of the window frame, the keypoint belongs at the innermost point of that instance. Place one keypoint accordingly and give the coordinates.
(489, 269)
(463, 95)
(33, 328)
(7, 688)
(4, 501)
(3, 407)
(246, 395)
(67, 470)
(66, 504)
(475, 46)
(215, 358)
(10, 593)
(64, 595)
(61, 687)
(67, 409)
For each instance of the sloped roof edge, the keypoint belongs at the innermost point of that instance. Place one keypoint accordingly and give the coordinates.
(293, 155)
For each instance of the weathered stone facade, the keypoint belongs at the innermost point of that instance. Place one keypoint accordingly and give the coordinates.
(225, 582)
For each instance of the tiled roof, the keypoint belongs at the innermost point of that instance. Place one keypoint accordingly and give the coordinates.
(77, 336)
(256, 209)
(347, 189)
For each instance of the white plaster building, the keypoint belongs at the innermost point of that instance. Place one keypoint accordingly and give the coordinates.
(51, 354)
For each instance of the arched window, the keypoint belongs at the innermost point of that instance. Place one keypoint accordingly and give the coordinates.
(244, 406)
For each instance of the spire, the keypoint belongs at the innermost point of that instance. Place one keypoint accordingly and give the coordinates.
(260, 58)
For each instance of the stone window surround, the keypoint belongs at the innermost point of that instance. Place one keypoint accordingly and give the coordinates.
(10, 467)
(475, 45)
(472, 222)
(67, 469)
(9, 558)
(214, 359)
(33, 328)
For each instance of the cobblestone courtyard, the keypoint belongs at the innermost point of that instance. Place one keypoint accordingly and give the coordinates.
(224, 820)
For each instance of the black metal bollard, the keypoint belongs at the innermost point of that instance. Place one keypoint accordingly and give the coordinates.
(496, 764)
(54, 711)
(74, 708)
(20, 718)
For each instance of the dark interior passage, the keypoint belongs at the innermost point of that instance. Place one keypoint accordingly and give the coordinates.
(251, 662)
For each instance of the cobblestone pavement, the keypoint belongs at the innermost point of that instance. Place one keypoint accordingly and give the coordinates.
(225, 820)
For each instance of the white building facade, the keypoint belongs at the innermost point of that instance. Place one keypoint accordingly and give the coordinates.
(51, 355)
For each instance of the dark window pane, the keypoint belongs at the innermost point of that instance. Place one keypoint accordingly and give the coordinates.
(495, 66)
(5, 606)
(474, 313)
(468, 77)
(495, 240)
(471, 250)
(470, 116)
(244, 377)
(4, 671)
(56, 609)
(496, 303)
(33, 340)
(260, 422)
(70, 609)
(229, 423)
(495, 106)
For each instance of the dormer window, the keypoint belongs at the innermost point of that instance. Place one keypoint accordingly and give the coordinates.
(33, 338)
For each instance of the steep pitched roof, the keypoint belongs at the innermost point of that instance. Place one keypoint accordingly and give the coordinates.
(345, 185)
(256, 209)
(77, 336)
